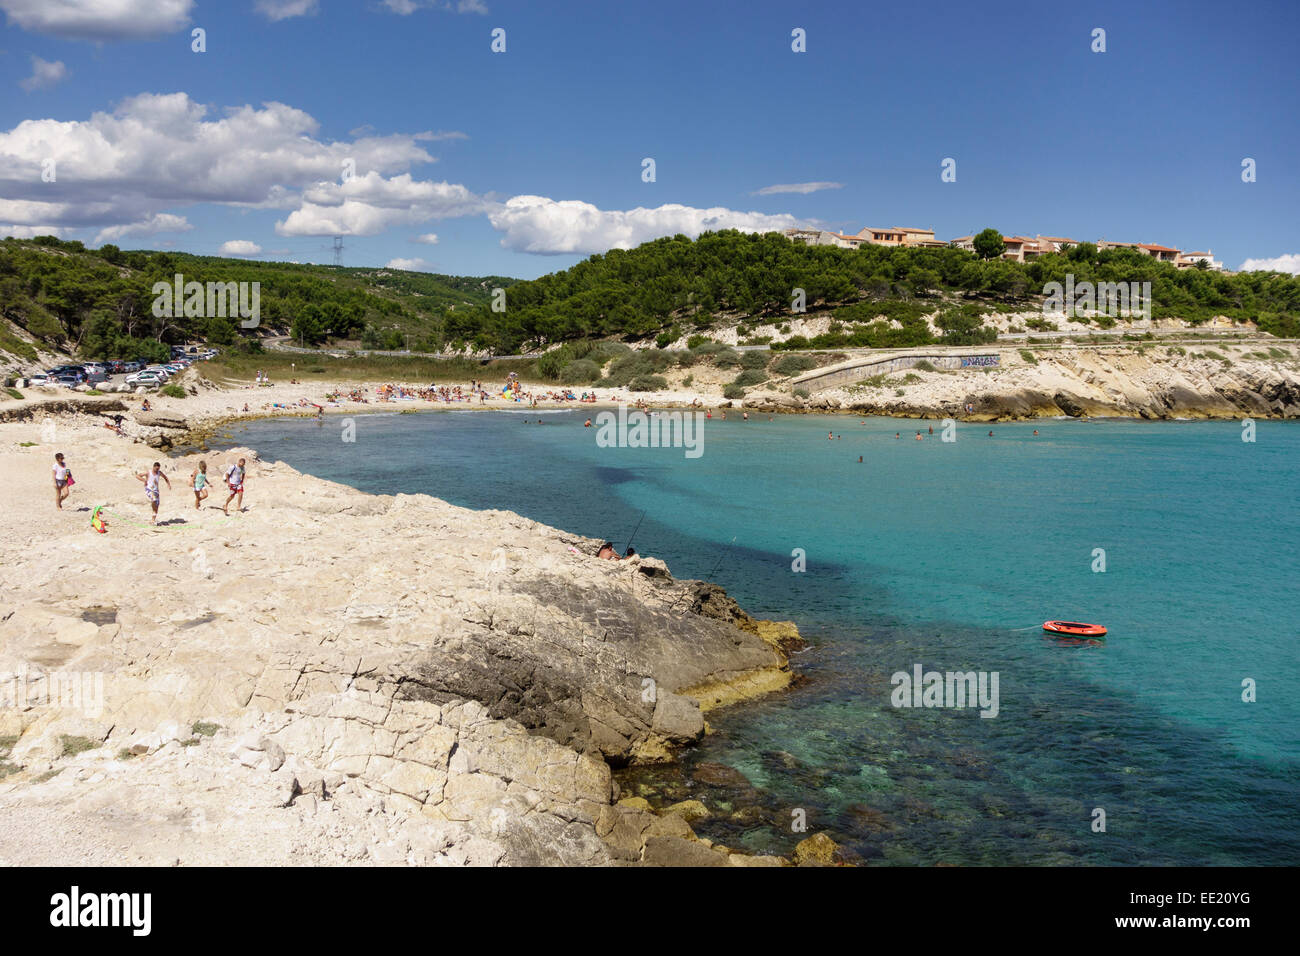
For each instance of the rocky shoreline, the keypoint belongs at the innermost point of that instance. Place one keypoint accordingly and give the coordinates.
(1075, 383)
(336, 677)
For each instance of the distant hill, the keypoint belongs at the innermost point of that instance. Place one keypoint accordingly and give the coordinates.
(673, 286)
(98, 303)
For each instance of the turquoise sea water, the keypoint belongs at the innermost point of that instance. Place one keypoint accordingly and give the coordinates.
(946, 555)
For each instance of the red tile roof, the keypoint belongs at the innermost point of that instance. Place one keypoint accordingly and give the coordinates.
(1143, 245)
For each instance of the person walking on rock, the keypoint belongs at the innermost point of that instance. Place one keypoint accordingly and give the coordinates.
(62, 478)
(199, 479)
(151, 491)
(235, 482)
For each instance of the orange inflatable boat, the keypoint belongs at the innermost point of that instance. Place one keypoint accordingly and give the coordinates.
(1074, 629)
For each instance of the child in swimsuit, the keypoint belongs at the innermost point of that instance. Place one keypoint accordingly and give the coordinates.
(200, 479)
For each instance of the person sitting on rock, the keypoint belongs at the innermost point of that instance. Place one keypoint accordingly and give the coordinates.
(607, 552)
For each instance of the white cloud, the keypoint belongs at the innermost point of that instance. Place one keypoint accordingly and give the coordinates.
(547, 227)
(801, 188)
(30, 232)
(369, 204)
(1287, 263)
(284, 9)
(99, 19)
(429, 135)
(160, 222)
(239, 247)
(44, 74)
(157, 151)
(407, 7)
(408, 265)
(428, 238)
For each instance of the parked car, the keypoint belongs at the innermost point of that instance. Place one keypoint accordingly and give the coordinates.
(129, 367)
(95, 374)
(40, 379)
(68, 380)
(145, 377)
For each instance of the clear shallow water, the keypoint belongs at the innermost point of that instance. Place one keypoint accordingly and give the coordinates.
(946, 555)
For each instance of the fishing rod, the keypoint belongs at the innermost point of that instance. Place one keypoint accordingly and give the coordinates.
(720, 557)
(636, 529)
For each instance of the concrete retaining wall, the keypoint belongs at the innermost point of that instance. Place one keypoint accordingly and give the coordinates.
(867, 366)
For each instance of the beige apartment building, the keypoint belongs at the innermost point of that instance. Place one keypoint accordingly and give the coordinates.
(1015, 248)
(896, 236)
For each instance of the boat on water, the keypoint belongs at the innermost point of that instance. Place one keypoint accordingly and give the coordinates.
(1074, 629)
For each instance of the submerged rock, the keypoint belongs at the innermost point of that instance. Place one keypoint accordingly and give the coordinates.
(720, 775)
(817, 850)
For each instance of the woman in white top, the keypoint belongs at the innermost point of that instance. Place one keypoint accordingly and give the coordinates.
(61, 476)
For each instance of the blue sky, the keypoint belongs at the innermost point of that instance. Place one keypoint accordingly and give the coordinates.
(156, 146)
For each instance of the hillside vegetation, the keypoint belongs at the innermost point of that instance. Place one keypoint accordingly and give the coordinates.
(98, 303)
(674, 285)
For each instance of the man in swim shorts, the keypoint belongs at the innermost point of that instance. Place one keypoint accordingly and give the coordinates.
(235, 482)
(150, 479)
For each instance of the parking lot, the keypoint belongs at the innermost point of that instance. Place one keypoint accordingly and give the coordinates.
(101, 374)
